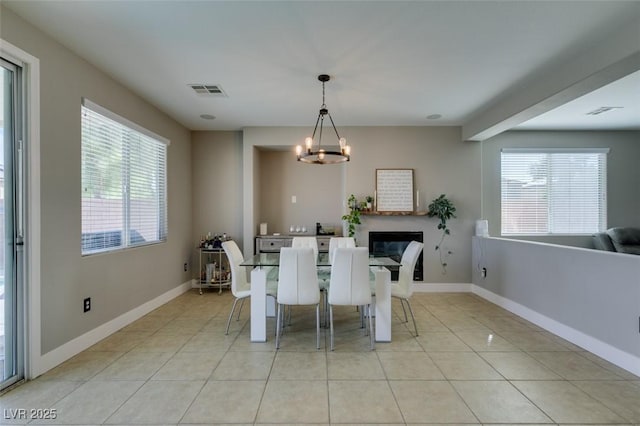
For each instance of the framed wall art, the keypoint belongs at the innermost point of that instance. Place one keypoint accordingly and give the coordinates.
(394, 190)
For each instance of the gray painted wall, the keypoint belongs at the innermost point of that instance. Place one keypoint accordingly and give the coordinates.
(319, 192)
(216, 187)
(594, 293)
(116, 282)
(442, 163)
(623, 174)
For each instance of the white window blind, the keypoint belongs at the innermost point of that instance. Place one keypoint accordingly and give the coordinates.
(123, 182)
(553, 191)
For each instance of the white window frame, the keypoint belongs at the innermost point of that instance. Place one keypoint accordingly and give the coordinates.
(551, 151)
(125, 242)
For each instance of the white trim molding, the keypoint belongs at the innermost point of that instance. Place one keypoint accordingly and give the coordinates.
(604, 350)
(123, 121)
(512, 150)
(420, 287)
(31, 77)
(90, 338)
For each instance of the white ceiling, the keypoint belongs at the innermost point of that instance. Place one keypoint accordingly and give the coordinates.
(391, 62)
(623, 96)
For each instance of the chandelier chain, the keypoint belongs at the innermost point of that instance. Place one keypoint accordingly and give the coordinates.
(324, 105)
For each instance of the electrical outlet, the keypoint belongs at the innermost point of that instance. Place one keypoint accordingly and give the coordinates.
(185, 266)
(484, 272)
(87, 304)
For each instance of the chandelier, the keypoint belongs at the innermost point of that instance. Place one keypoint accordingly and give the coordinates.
(317, 154)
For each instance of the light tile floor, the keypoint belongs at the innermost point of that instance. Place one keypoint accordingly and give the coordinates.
(472, 363)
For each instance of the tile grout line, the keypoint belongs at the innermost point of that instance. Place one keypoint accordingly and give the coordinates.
(105, 421)
(395, 398)
(206, 381)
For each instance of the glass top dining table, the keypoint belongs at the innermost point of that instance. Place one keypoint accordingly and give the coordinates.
(273, 259)
(265, 267)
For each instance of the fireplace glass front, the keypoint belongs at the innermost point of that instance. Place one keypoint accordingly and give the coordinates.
(392, 244)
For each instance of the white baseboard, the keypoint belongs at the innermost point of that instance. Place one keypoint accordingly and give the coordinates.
(90, 338)
(419, 287)
(604, 350)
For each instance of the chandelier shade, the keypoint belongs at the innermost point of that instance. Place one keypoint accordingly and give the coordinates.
(313, 153)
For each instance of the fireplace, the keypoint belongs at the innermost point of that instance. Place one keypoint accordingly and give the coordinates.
(392, 244)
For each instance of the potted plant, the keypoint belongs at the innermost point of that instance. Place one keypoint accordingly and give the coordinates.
(369, 199)
(442, 208)
(353, 217)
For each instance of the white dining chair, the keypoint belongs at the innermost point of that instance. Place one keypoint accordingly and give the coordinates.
(297, 285)
(299, 242)
(311, 242)
(324, 273)
(240, 287)
(350, 284)
(403, 288)
(339, 242)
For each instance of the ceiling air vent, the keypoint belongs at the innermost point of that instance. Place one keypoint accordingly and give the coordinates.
(603, 109)
(208, 90)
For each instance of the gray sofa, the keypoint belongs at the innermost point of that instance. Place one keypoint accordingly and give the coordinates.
(621, 240)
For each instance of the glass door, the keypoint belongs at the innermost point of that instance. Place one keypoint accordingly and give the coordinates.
(11, 288)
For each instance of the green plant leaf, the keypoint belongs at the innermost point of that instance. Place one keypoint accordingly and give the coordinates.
(443, 209)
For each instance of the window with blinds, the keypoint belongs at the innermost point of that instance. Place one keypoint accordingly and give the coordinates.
(123, 182)
(553, 191)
